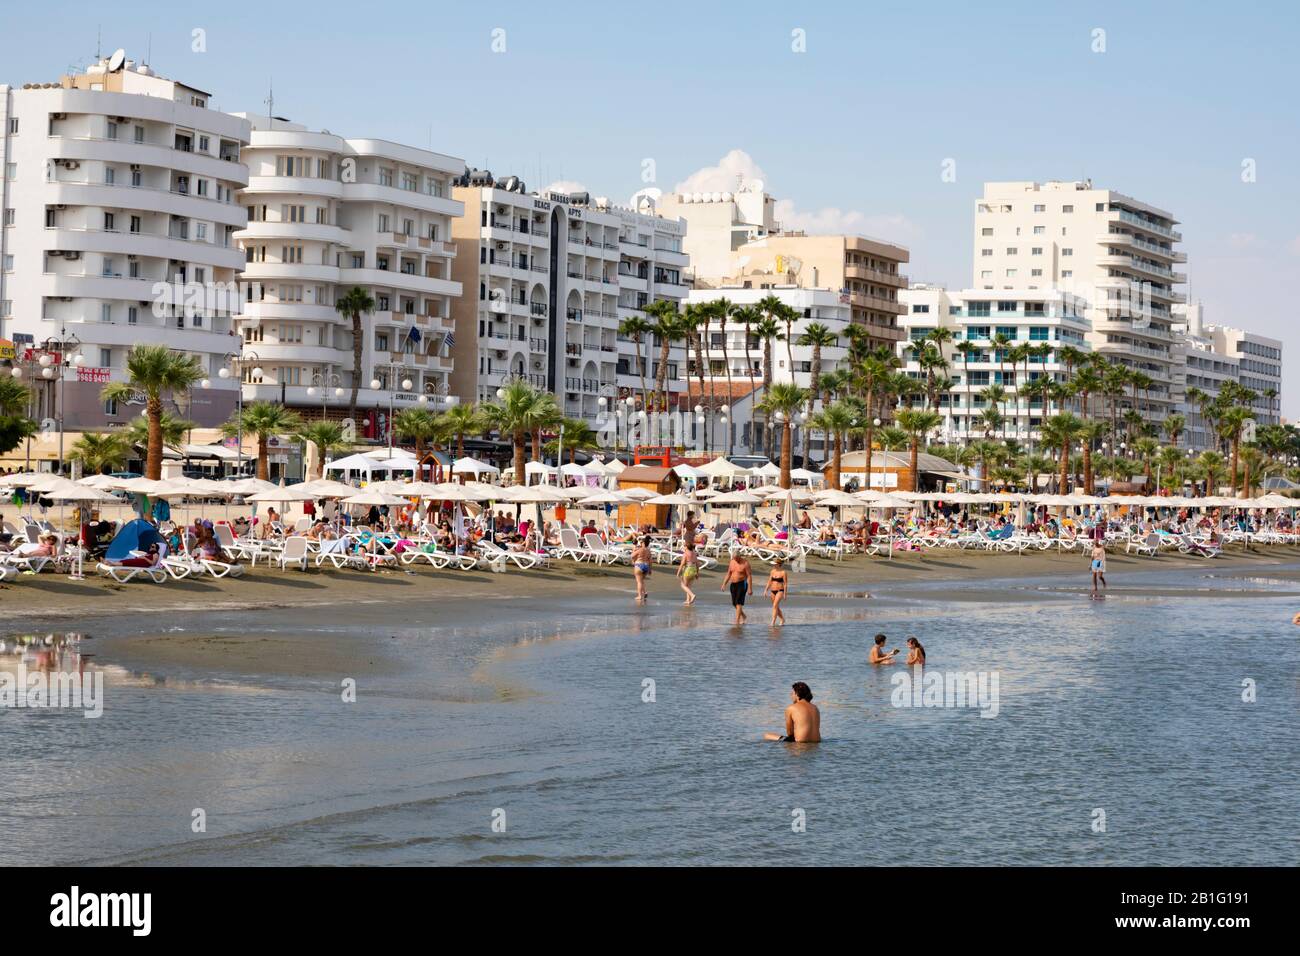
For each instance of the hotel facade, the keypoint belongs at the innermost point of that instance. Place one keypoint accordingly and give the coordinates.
(548, 278)
(119, 223)
(328, 214)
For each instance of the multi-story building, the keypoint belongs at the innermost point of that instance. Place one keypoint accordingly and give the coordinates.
(741, 245)
(327, 214)
(1214, 355)
(119, 220)
(549, 277)
(1115, 252)
(1047, 320)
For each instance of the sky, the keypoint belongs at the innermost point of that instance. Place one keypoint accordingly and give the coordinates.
(849, 112)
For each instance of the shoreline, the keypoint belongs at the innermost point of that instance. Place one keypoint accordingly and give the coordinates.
(542, 593)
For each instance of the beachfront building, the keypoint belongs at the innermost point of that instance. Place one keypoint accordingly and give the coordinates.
(548, 279)
(119, 215)
(1213, 355)
(740, 245)
(1117, 253)
(328, 214)
(1008, 339)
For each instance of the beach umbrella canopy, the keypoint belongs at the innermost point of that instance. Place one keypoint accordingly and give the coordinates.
(374, 498)
(79, 493)
(604, 498)
(326, 488)
(688, 471)
(614, 466)
(637, 494)
(839, 499)
(892, 501)
(706, 493)
(787, 494)
(736, 498)
(102, 482)
(248, 486)
(670, 500)
(722, 468)
(532, 494)
(536, 468)
(578, 492)
(769, 470)
(22, 480)
(803, 474)
(573, 469)
(135, 535)
(472, 466)
(280, 495)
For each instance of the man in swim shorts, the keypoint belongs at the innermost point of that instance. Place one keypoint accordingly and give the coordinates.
(803, 721)
(738, 578)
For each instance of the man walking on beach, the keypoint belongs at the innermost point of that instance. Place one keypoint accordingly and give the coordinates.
(739, 579)
(803, 721)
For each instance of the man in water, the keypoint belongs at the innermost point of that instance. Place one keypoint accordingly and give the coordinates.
(878, 653)
(739, 579)
(803, 721)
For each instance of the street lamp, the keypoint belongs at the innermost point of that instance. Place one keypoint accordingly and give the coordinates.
(233, 363)
(323, 382)
(376, 385)
(66, 347)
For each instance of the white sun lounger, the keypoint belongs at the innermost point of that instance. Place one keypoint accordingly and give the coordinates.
(295, 552)
(122, 574)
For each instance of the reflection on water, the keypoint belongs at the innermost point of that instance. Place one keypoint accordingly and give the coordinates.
(1133, 706)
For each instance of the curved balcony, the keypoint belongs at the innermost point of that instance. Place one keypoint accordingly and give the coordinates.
(118, 243)
(373, 192)
(308, 231)
(154, 108)
(297, 353)
(252, 312)
(291, 271)
(88, 148)
(145, 199)
(388, 279)
(293, 186)
(326, 143)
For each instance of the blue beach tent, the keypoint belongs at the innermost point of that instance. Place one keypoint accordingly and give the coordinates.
(135, 535)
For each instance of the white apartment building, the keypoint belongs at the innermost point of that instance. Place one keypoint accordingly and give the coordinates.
(326, 214)
(1113, 251)
(549, 277)
(1214, 355)
(1046, 318)
(119, 214)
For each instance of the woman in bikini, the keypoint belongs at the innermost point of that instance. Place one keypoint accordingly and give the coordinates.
(641, 568)
(777, 588)
(687, 571)
(916, 653)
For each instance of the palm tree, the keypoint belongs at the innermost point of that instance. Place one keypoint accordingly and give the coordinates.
(721, 310)
(1231, 424)
(1088, 435)
(995, 395)
(784, 399)
(517, 411)
(355, 303)
(327, 437)
(636, 328)
(835, 420)
(667, 326)
(1086, 383)
(1170, 460)
(966, 347)
(264, 420)
(767, 331)
(892, 438)
(695, 320)
(418, 424)
(1032, 466)
(154, 370)
(173, 429)
(1059, 433)
(1210, 467)
(1145, 450)
(15, 426)
(1174, 426)
(101, 452)
(917, 424)
(576, 436)
(817, 337)
(1255, 464)
(461, 420)
(748, 318)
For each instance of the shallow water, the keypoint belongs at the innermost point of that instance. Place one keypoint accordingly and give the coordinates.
(1131, 705)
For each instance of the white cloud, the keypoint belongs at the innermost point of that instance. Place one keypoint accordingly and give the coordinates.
(738, 166)
(1243, 240)
(566, 186)
(1293, 246)
(724, 177)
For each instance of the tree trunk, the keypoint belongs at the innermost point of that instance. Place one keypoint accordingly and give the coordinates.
(767, 383)
(537, 445)
(263, 465)
(661, 377)
(1065, 471)
(1087, 468)
(916, 442)
(866, 458)
(812, 397)
(785, 453)
(356, 364)
(637, 341)
(521, 477)
(460, 444)
(1236, 447)
(726, 367)
(838, 457)
(153, 455)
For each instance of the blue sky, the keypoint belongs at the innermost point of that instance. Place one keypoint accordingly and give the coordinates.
(853, 131)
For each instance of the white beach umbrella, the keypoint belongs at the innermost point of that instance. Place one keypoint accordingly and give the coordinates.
(532, 494)
(537, 468)
(327, 488)
(803, 474)
(688, 471)
(706, 493)
(102, 482)
(472, 466)
(574, 470)
(79, 493)
(674, 499)
(578, 492)
(636, 494)
(722, 468)
(839, 499)
(736, 498)
(786, 494)
(604, 498)
(22, 480)
(375, 499)
(280, 495)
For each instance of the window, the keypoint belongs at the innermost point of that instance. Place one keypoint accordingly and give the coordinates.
(1039, 207)
(110, 222)
(11, 171)
(383, 222)
(202, 187)
(106, 358)
(106, 313)
(135, 177)
(51, 217)
(9, 217)
(132, 315)
(1012, 250)
(108, 268)
(139, 134)
(385, 177)
(133, 269)
(1067, 273)
(203, 144)
(986, 274)
(1101, 207)
(135, 223)
(408, 227)
(986, 232)
(322, 216)
(322, 169)
(1036, 251)
(110, 175)
(410, 182)
(7, 264)
(13, 125)
(293, 213)
(1035, 273)
(1067, 209)
(986, 252)
(112, 130)
(291, 254)
(1067, 252)
(920, 309)
(201, 231)
(6, 308)
(1040, 230)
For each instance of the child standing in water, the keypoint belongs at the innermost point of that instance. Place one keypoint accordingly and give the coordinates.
(1098, 566)
(688, 570)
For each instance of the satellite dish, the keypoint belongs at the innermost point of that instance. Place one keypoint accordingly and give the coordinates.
(753, 186)
(116, 60)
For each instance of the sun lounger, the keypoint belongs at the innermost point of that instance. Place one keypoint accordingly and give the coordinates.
(122, 574)
(440, 559)
(294, 552)
(1150, 545)
(523, 560)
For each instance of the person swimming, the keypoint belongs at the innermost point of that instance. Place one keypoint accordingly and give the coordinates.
(878, 653)
(803, 721)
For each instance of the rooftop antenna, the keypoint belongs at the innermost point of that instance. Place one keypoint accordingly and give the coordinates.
(99, 39)
(270, 103)
(148, 49)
